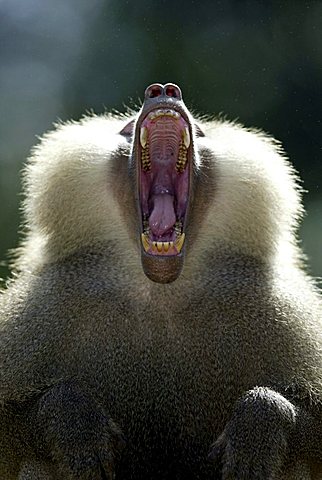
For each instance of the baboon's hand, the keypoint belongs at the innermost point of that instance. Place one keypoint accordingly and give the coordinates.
(255, 441)
(73, 431)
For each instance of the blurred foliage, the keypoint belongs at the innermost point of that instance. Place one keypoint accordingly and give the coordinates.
(258, 61)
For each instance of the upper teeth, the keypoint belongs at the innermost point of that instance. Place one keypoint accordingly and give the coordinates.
(186, 137)
(168, 112)
(143, 136)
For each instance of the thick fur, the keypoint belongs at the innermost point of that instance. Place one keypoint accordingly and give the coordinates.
(217, 375)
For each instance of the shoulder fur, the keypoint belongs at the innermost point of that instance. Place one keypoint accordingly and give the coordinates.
(254, 206)
(68, 182)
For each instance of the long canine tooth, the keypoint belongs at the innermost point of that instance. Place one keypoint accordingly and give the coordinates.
(145, 242)
(186, 137)
(179, 242)
(143, 136)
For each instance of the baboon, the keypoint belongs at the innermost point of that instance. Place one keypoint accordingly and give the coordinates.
(159, 323)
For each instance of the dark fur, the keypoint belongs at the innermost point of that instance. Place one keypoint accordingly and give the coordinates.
(217, 375)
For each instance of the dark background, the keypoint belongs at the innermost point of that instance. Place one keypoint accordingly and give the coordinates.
(258, 61)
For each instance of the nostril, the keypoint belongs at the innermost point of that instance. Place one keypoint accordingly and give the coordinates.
(172, 90)
(154, 90)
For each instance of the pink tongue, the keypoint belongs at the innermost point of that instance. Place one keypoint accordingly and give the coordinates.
(163, 216)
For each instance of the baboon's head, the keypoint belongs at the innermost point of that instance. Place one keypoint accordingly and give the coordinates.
(163, 157)
(156, 186)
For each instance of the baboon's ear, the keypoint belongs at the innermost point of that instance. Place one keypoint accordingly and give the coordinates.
(127, 131)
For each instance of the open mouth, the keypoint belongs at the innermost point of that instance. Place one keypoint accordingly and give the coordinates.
(164, 153)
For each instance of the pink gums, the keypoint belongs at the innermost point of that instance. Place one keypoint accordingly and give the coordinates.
(164, 191)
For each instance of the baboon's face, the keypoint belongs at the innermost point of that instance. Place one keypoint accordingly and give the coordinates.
(162, 156)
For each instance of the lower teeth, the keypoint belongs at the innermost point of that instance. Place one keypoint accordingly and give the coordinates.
(158, 247)
(178, 228)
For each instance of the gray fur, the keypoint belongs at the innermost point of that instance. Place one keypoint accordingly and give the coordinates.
(226, 360)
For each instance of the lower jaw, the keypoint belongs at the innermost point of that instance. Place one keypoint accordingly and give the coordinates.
(162, 269)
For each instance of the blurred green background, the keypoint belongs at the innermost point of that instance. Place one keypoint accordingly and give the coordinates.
(258, 61)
